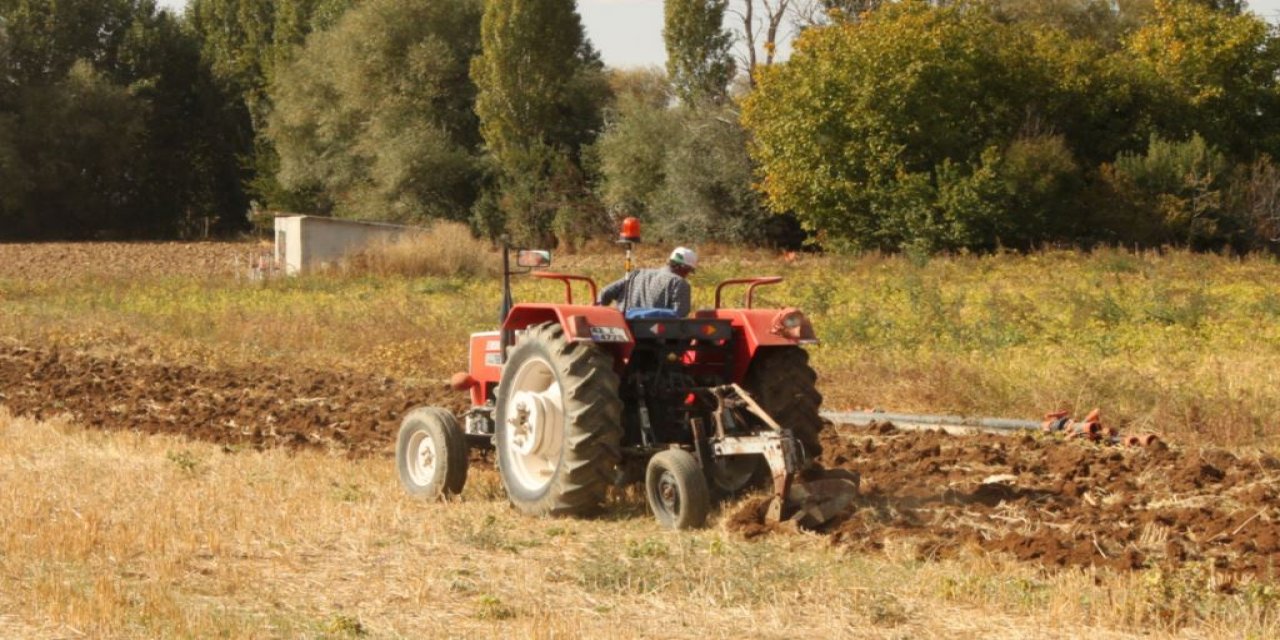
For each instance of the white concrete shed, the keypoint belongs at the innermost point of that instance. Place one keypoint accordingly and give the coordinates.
(305, 243)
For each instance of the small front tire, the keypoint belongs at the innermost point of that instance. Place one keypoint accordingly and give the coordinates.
(677, 490)
(431, 454)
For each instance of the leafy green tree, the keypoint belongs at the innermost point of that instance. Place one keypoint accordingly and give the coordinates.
(632, 154)
(47, 38)
(684, 170)
(245, 41)
(541, 88)
(854, 132)
(699, 61)
(114, 125)
(1105, 22)
(76, 141)
(1220, 70)
(374, 115)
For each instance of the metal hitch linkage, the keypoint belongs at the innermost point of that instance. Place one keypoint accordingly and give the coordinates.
(809, 502)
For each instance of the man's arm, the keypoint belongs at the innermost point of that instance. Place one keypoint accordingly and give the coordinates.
(683, 297)
(613, 292)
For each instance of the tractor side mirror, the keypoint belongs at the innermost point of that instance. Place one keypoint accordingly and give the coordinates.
(533, 258)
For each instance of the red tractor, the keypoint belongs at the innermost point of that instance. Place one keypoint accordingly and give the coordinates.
(577, 397)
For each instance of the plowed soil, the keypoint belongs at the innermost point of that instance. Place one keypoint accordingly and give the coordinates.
(1060, 503)
(1035, 497)
(37, 262)
(243, 407)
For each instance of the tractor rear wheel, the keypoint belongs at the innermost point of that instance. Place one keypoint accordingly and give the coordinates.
(559, 423)
(782, 382)
(431, 454)
(677, 490)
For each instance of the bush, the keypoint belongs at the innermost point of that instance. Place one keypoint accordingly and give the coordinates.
(1176, 193)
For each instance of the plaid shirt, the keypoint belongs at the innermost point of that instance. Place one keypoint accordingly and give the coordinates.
(650, 289)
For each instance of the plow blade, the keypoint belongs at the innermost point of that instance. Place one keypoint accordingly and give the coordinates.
(802, 492)
(815, 502)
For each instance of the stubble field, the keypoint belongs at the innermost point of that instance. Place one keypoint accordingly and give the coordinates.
(262, 500)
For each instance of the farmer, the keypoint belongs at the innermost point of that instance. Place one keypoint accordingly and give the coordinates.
(662, 288)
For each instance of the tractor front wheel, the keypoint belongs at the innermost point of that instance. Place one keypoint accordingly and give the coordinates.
(559, 423)
(677, 490)
(431, 454)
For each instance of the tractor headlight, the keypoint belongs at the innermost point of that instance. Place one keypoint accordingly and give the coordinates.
(790, 323)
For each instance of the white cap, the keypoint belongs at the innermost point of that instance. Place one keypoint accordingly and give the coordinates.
(684, 256)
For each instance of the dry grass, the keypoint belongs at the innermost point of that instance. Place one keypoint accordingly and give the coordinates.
(119, 535)
(445, 249)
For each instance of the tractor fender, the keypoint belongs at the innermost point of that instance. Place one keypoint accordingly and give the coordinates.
(753, 330)
(601, 325)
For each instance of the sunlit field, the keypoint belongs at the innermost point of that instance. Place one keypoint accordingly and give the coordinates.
(112, 533)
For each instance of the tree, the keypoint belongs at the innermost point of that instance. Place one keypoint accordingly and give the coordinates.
(75, 142)
(1105, 22)
(115, 127)
(699, 62)
(758, 27)
(540, 90)
(1219, 69)
(684, 169)
(860, 129)
(245, 41)
(1176, 192)
(374, 115)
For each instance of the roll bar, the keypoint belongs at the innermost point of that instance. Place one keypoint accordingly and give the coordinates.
(751, 288)
(568, 280)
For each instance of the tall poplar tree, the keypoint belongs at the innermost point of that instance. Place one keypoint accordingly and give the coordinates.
(540, 90)
(699, 61)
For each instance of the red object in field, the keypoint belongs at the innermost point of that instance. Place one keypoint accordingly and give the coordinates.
(630, 230)
(462, 381)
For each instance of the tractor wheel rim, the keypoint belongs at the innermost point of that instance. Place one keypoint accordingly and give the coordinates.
(535, 418)
(422, 458)
(668, 494)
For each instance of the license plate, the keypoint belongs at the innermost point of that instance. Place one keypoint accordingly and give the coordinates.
(608, 334)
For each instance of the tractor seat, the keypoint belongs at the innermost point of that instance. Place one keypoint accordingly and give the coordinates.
(650, 313)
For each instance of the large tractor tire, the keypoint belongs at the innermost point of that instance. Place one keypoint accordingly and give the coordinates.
(431, 454)
(782, 382)
(559, 424)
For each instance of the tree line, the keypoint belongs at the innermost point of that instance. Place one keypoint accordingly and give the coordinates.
(908, 125)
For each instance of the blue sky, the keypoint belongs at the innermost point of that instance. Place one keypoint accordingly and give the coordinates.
(628, 33)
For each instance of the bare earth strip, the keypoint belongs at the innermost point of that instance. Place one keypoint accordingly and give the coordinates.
(34, 262)
(249, 406)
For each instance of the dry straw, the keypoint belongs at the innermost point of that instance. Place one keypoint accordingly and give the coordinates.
(444, 249)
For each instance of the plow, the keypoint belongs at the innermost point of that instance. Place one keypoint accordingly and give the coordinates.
(575, 398)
